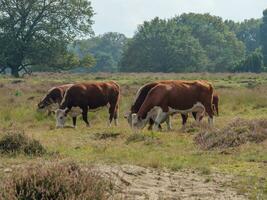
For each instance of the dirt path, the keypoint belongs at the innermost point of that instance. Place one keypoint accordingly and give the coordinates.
(136, 183)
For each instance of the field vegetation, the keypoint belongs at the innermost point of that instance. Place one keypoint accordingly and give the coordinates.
(243, 101)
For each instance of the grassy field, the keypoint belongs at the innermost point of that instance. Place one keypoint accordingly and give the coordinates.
(241, 96)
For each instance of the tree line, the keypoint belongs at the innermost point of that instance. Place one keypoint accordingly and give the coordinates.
(42, 35)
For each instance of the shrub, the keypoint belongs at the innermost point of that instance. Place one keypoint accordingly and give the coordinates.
(57, 182)
(14, 143)
(234, 134)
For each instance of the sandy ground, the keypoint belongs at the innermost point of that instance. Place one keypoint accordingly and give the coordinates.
(136, 183)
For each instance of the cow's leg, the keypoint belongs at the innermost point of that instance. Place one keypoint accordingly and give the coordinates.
(160, 117)
(209, 111)
(168, 122)
(74, 119)
(194, 115)
(184, 119)
(85, 116)
(112, 110)
(116, 114)
(151, 122)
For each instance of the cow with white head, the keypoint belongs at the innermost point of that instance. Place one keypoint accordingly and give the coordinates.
(166, 99)
(87, 96)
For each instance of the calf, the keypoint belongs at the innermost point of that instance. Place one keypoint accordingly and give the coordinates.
(175, 97)
(89, 96)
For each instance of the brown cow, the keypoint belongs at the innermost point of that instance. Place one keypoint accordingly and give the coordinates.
(140, 98)
(89, 96)
(54, 96)
(175, 97)
(141, 95)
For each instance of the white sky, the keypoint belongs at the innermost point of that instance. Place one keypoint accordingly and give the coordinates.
(125, 15)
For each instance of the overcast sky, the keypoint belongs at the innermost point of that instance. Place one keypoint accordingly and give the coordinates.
(125, 15)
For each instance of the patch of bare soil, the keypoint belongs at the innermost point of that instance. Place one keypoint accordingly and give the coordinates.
(138, 183)
(236, 133)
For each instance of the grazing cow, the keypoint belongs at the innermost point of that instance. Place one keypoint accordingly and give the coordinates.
(141, 95)
(173, 97)
(89, 96)
(54, 96)
(139, 99)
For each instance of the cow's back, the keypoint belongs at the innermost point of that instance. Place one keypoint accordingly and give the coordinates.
(180, 95)
(91, 94)
(184, 94)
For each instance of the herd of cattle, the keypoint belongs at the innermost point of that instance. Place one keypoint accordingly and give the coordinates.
(154, 102)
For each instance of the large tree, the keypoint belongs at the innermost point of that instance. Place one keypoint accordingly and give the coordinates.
(248, 32)
(37, 32)
(161, 46)
(263, 36)
(187, 43)
(107, 50)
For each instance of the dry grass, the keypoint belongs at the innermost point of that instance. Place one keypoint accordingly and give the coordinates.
(16, 143)
(57, 182)
(236, 133)
(241, 95)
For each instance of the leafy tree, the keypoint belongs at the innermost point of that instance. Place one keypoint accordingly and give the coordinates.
(106, 48)
(252, 63)
(190, 42)
(248, 32)
(263, 36)
(36, 32)
(87, 61)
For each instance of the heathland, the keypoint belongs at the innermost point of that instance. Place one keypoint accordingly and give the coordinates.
(243, 104)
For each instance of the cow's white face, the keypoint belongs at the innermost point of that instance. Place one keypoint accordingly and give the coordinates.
(137, 123)
(61, 116)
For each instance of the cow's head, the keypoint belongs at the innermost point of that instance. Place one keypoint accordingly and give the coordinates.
(61, 115)
(45, 102)
(137, 122)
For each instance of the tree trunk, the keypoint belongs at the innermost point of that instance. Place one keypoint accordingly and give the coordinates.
(15, 71)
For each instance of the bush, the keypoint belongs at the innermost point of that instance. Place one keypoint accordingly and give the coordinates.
(55, 182)
(14, 143)
(234, 134)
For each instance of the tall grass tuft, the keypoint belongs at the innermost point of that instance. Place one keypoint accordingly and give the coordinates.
(57, 182)
(236, 133)
(15, 143)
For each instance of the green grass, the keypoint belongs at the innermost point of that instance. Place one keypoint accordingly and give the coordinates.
(241, 95)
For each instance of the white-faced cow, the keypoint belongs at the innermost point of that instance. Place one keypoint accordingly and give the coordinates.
(53, 96)
(139, 99)
(89, 96)
(172, 97)
(141, 95)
